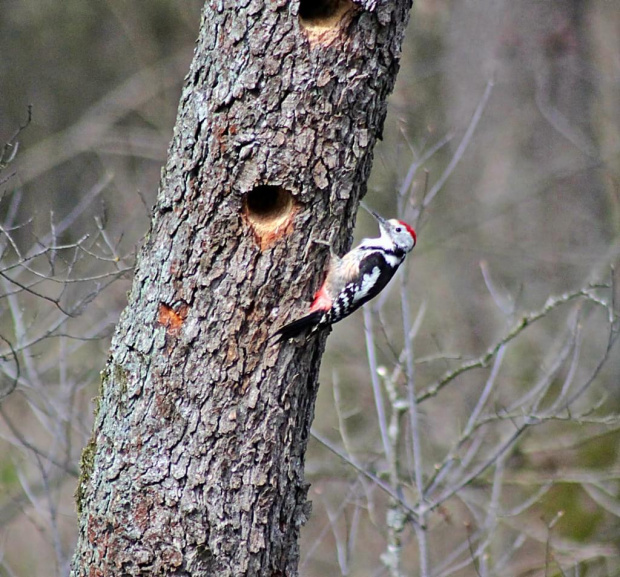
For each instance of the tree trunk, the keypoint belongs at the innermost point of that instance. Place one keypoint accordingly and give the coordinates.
(195, 466)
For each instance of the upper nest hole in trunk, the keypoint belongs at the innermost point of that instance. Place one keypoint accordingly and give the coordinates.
(322, 15)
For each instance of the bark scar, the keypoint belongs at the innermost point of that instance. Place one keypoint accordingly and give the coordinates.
(171, 319)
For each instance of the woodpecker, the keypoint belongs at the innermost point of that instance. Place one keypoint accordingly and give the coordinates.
(357, 277)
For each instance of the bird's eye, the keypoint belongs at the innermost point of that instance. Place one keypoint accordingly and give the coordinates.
(399, 229)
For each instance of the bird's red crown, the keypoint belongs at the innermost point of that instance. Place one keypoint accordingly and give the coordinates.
(410, 230)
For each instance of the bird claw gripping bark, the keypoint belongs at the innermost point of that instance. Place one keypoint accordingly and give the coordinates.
(328, 243)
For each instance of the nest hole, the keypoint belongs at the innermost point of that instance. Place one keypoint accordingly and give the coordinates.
(322, 15)
(269, 210)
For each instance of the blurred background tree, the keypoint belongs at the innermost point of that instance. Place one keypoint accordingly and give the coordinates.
(506, 116)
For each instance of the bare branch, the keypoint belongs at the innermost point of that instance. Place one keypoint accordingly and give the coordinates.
(526, 321)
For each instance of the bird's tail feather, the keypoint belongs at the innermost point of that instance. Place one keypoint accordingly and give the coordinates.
(299, 326)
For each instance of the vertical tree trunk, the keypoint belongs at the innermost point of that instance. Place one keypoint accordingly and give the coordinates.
(195, 466)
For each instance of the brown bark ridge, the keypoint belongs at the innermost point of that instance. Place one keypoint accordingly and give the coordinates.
(195, 466)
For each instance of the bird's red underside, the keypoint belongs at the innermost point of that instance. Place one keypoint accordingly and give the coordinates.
(321, 301)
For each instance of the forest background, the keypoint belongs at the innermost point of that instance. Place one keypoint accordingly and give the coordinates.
(502, 145)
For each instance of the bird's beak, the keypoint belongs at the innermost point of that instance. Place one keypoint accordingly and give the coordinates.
(382, 222)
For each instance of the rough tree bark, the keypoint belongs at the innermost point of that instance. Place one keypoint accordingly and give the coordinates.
(195, 466)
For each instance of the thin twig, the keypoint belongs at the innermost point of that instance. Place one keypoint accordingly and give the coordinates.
(374, 379)
(462, 147)
(381, 484)
(414, 423)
